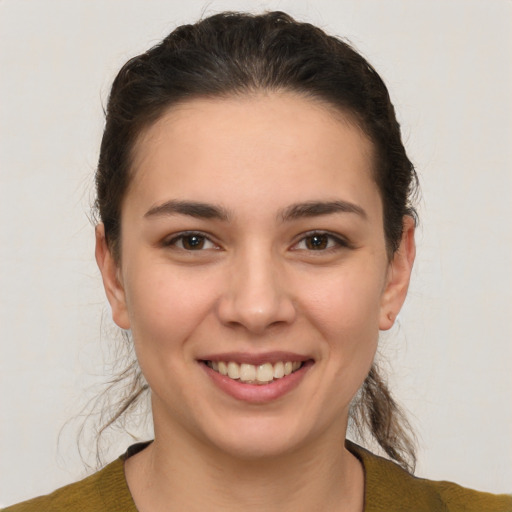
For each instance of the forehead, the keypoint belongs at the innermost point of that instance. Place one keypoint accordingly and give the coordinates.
(269, 145)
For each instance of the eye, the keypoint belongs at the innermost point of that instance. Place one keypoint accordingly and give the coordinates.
(191, 242)
(320, 241)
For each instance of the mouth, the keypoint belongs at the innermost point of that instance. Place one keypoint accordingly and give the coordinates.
(256, 378)
(255, 374)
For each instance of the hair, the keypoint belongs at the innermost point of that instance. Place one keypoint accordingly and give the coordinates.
(236, 54)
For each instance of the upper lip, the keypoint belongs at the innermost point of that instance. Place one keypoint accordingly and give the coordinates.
(256, 359)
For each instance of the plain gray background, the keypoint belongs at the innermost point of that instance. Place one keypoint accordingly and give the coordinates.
(447, 65)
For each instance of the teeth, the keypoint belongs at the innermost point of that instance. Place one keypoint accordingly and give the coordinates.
(223, 368)
(249, 373)
(278, 370)
(265, 373)
(233, 370)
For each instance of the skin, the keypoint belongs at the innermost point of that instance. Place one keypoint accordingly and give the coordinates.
(256, 285)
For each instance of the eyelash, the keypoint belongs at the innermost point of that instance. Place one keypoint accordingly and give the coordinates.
(334, 242)
(173, 242)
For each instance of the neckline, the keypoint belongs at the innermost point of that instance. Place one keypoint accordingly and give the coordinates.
(356, 450)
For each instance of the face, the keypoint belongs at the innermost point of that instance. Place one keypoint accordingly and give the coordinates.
(252, 244)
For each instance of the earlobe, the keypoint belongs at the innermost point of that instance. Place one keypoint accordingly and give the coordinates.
(399, 275)
(111, 282)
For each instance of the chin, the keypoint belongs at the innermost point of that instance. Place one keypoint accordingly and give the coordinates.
(257, 447)
(259, 438)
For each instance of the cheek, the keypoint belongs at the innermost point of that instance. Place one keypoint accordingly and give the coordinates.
(345, 311)
(166, 305)
(344, 303)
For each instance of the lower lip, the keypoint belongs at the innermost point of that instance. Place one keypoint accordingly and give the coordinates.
(258, 393)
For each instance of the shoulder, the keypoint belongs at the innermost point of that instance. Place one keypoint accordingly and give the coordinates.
(104, 490)
(390, 487)
(458, 498)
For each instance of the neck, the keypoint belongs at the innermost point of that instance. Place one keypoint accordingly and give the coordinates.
(177, 472)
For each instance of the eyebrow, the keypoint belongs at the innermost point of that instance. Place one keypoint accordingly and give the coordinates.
(316, 208)
(190, 208)
(295, 211)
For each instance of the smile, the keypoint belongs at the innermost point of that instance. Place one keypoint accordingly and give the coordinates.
(257, 378)
(255, 374)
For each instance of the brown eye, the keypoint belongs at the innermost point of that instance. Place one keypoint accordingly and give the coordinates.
(320, 241)
(191, 242)
(317, 242)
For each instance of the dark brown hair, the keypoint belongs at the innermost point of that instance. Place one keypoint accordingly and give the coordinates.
(231, 54)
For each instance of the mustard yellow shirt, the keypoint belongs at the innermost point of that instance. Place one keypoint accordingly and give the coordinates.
(388, 488)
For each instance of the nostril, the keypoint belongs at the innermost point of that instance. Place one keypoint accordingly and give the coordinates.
(256, 313)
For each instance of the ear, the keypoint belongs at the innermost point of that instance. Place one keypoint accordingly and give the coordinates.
(110, 273)
(399, 274)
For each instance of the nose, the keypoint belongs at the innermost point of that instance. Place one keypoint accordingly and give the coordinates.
(255, 295)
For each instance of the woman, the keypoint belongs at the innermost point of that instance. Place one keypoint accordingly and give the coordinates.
(256, 233)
